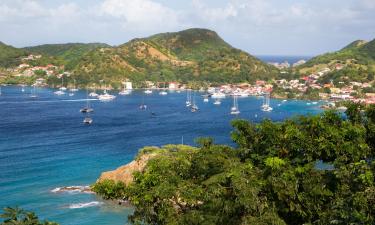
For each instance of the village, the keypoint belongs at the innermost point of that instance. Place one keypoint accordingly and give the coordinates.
(327, 91)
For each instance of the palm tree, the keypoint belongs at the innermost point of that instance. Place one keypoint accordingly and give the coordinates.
(12, 215)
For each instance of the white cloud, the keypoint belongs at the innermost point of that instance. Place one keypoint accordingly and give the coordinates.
(140, 14)
(287, 26)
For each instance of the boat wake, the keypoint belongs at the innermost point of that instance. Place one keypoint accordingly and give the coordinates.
(84, 205)
(51, 101)
(73, 190)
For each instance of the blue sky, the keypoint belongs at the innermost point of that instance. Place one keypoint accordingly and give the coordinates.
(260, 27)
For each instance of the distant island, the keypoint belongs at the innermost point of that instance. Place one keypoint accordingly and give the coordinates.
(193, 58)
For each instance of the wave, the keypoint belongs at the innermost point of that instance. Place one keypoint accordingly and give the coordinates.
(73, 189)
(85, 205)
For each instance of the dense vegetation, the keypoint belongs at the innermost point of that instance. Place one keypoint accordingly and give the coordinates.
(271, 177)
(67, 54)
(10, 56)
(17, 216)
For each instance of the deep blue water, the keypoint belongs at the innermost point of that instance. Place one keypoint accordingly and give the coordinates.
(44, 145)
(281, 59)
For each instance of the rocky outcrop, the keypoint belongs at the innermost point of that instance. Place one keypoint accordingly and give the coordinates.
(125, 173)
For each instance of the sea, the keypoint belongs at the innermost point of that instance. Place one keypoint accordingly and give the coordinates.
(280, 59)
(44, 144)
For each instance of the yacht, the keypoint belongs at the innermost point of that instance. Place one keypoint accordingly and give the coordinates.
(266, 103)
(163, 93)
(205, 98)
(148, 91)
(106, 96)
(60, 92)
(93, 94)
(218, 95)
(217, 102)
(234, 110)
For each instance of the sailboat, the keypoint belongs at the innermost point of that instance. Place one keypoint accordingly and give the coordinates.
(188, 98)
(266, 103)
(163, 92)
(0, 90)
(23, 88)
(33, 92)
(87, 108)
(194, 107)
(93, 93)
(62, 88)
(74, 89)
(234, 110)
(143, 106)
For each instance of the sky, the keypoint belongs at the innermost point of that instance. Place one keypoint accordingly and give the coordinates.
(260, 27)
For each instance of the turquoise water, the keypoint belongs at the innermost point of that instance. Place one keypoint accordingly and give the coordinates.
(44, 145)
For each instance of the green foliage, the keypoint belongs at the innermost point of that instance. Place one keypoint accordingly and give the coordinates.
(10, 56)
(17, 216)
(271, 177)
(109, 189)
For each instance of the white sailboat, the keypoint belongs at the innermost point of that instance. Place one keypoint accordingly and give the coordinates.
(0, 90)
(62, 89)
(266, 103)
(93, 93)
(87, 108)
(188, 98)
(74, 89)
(33, 92)
(234, 110)
(163, 92)
(194, 106)
(143, 106)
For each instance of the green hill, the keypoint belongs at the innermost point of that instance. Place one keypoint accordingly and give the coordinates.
(356, 59)
(10, 56)
(69, 53)
(189, 55)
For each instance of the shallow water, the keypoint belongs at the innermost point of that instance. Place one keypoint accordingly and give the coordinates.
(45, 145)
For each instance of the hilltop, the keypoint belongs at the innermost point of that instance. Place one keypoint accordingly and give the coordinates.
(353, 63)
(189, 55)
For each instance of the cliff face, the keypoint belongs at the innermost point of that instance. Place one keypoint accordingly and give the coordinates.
(125, 173)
